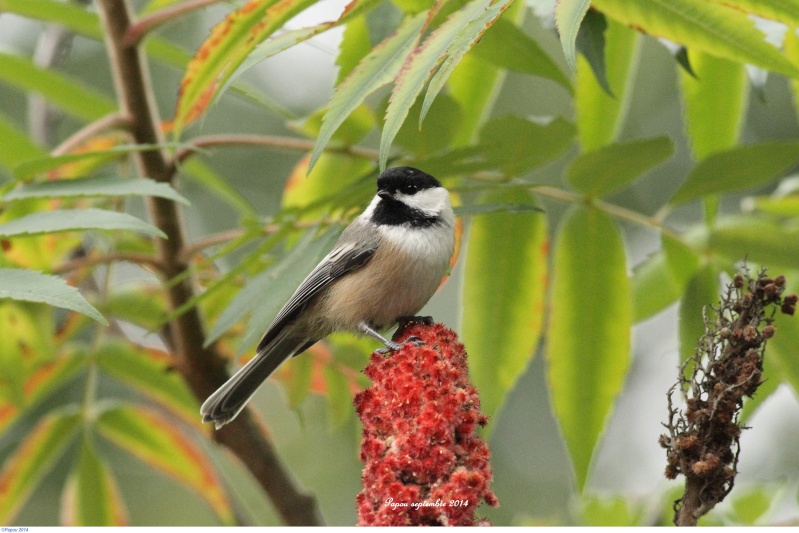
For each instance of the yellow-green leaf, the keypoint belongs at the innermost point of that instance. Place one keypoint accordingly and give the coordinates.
(379, 67)
(614, 166)
(568, 16)
(418, 67)
(588, 339)
(148, 372)
(75, 220)
(162, 445)
(786, 11)
(717, 29)
(32, 460)
(714, 102)
(16, 147)
(91, 496)
(600, 116)
(71, 96)
(33, 286)
(503, 295)
(225, 49)
(739, 168)
(760, 241)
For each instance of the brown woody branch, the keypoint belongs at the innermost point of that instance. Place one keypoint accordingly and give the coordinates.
(202, 367)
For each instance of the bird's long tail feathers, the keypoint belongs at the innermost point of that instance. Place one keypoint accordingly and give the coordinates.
(229, 399)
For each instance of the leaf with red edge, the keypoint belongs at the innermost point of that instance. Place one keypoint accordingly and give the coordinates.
(34, 458)
(419, 66)
(148, 372)
(229, 44)
(91, 496)
(45, 380)
(161, 444)
(466, 39)
(378, 68)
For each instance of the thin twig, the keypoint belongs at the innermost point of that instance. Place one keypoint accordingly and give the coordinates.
(611, 209)
(202, 367)
(293, 144)
(109, 122)
(90, 261)
(139, 29)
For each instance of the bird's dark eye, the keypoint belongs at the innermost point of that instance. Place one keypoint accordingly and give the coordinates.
(410, 189)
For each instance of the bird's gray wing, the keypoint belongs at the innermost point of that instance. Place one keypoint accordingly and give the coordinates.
(351, 252)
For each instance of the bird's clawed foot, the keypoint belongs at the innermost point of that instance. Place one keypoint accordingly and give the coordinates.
(392, 345)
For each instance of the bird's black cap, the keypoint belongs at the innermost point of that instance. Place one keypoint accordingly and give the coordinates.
(405, 179)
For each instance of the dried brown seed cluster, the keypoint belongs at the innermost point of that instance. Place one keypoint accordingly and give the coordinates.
(702, 441)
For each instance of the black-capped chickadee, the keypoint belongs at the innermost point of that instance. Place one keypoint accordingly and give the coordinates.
(385, 266)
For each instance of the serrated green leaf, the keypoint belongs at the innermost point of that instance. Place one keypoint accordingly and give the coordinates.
(33, 286)
(162, 445)
(714, 103)
(568, 17)
(737, 169)
(507, 46)
(379, 67)
(591, 44)
(417, 68)
(589, 330)
(225, 49)
(95, 186)
(463, 42)
(599, 116)
(150, 374)
(614, 166)
(717, 29)
(502, 321)
(475, 85)
(71, 96)
(75, 220)
(32, 460)
(354, 46)
(16, 146)
(701, 293)
(91, 496)
(760, 241)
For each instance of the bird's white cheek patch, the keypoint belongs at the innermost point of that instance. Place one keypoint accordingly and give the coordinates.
(430, 201)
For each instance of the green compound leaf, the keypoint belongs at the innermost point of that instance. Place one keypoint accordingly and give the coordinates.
(589, 330)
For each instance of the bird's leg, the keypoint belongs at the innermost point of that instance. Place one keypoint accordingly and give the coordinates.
(364, 328)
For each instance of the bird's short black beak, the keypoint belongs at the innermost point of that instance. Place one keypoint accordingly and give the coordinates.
(384, 194)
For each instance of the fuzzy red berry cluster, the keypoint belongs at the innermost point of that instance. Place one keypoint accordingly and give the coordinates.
(424, 464)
